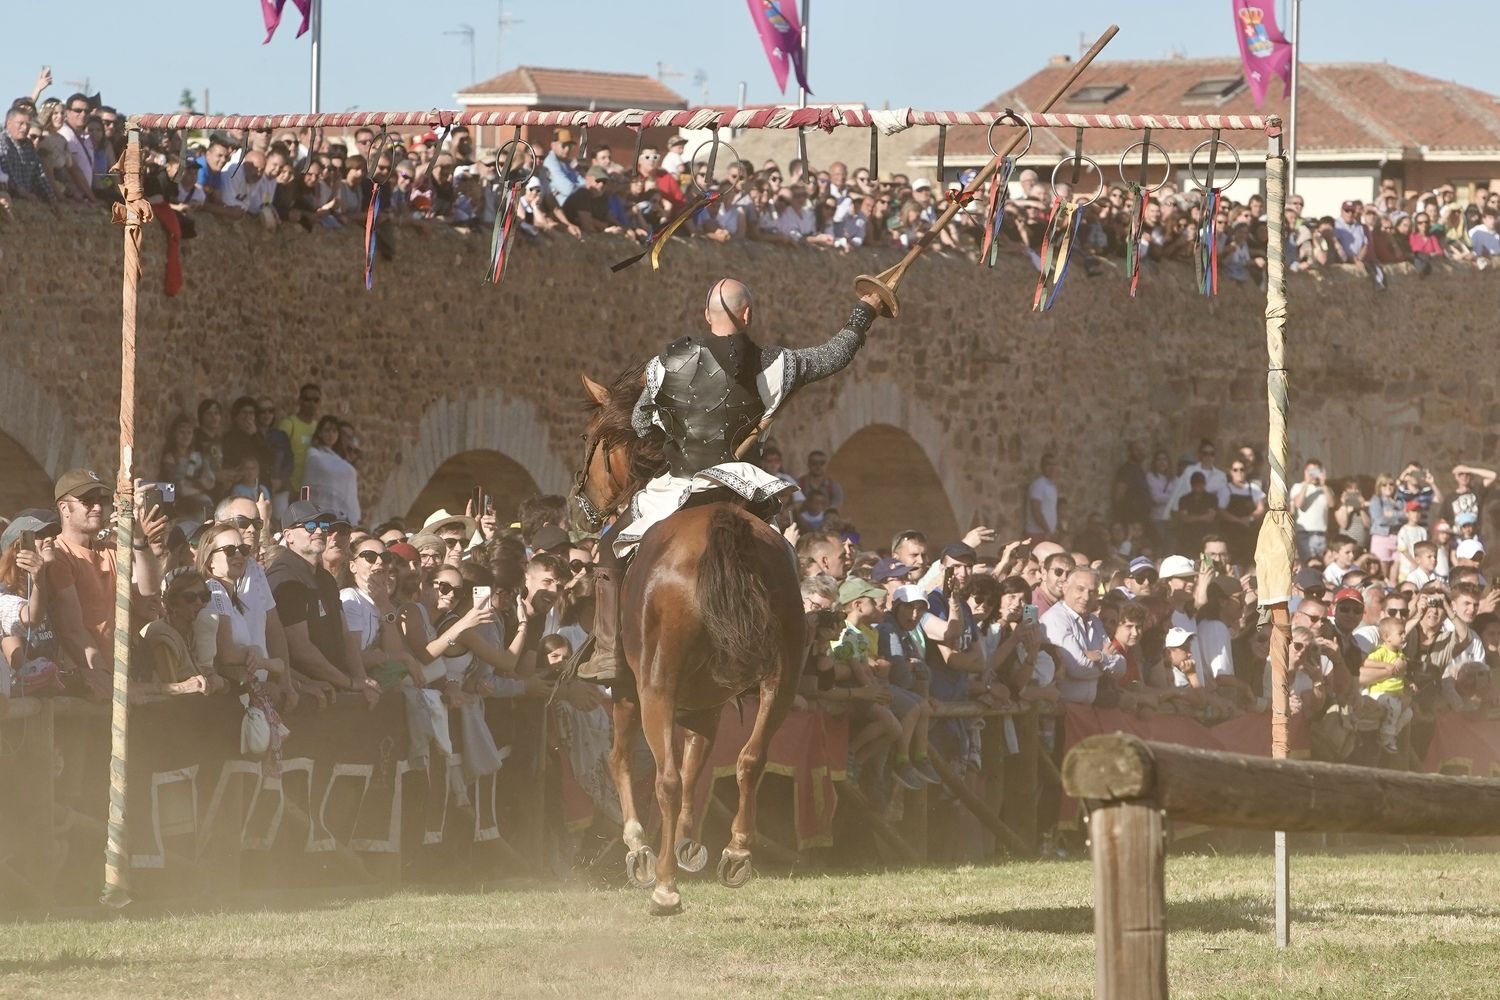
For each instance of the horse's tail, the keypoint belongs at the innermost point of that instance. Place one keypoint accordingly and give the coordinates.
(744, 635)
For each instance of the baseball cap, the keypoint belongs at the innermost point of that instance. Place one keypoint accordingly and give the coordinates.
(1469, 548)
(1413, 505)
(548, 538)
(921, 184)
(1467, 517)
(909, 594)
(677, 140)
(597, 172)
(562, 135)
(1175, 567)
(77, 482)
(853, 588)
(1349, 594)
(1350, 206)
(1140, 564)
(303, 511)
(1178, 637)
(889, 568)
(39, 520)
(1308, 579)
(961, 552)
(533, 182)
(404, 550)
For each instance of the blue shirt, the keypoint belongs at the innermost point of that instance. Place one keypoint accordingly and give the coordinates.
(562, 180)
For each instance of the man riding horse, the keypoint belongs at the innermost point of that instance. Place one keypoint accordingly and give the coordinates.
(712, 395)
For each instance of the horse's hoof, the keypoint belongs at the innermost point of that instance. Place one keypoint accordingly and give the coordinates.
(735, 869)
(692, 856)
(664, 902)
(640, 868)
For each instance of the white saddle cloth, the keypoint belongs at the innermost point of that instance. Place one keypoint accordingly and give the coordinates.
(666, 494)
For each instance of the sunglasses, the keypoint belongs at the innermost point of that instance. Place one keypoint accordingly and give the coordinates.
(445, 588)
(93, 500)
(578, 566)
(78, 111)
(1299, 645)
(312, 526)
(234, 550)
(1059, 571)
(242, 522)
(1146, 578)
(372, 557)
(1315, 619)
(453, 543)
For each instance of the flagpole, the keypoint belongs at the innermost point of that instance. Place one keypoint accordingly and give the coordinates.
(1291, 166)
(317, 55)
(802, 91)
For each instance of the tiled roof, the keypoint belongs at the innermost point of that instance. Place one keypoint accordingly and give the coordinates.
(1344, 108)
(579, 88)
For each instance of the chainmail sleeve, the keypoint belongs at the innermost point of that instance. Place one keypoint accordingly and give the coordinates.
(811, 364)
(643, 417)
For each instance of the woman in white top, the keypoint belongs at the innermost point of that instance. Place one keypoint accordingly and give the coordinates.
(239, 618)
(370, 616)
(445, 630)
(334, 482)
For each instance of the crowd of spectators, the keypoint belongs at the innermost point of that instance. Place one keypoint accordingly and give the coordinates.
(63, 151)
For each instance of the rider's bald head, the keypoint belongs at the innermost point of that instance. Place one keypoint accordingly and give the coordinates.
(728, 306)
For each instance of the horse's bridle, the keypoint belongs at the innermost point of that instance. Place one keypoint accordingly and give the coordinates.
(592, 514)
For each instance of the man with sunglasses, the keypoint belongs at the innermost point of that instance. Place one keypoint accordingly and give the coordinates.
(81, 582)
(309, 605)
(80, 172)
(648, 166)
(1055, 570)
(1141, 577)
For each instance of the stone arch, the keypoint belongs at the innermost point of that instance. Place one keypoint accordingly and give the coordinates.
(886, 449)
(466, 430)
(37, 443)
(502, 477)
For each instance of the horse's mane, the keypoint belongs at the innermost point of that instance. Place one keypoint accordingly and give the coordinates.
(645, 459)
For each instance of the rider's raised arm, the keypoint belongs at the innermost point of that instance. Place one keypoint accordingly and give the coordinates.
(810, 364)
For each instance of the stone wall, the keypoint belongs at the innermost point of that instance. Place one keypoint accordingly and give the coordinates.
(433, 363)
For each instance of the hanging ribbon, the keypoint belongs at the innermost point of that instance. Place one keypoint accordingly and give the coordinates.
(1057, 247)
(994, 215)
(500, 236)
(1208, 245)
(1137, 234)
(658, 241)
(372, 215)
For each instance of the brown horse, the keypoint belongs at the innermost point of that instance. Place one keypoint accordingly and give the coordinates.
(712, 610)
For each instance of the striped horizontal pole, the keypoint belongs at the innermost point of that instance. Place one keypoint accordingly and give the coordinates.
(780, 117)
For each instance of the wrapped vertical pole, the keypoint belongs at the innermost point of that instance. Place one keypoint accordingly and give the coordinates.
(1274, 552)
(132, 214)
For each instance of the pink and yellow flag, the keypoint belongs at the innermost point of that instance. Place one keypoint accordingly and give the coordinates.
(271, 11)
(1264, 50)
(781, 33)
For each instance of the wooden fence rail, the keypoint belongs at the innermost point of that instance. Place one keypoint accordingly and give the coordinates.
(1131, 786)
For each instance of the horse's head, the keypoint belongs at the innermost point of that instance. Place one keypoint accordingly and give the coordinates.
(605, 477)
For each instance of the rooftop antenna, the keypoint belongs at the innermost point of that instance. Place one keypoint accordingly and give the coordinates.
(502, 23)
(467, 31)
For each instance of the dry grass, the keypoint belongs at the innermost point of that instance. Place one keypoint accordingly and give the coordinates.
(1372, 925)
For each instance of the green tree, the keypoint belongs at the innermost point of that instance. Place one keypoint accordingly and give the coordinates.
(187, 100)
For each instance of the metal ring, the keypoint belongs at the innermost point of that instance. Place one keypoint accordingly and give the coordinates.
(990, 135)
(530, 152)
(1207, 142)
(692, 161)
(1081, 159)
(1149, 145)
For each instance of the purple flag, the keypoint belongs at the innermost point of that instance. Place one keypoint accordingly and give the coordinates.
(1264, 50)
(781, 33)
(271, 11)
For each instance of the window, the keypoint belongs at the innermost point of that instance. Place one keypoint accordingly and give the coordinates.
(1099, 94)
(1214, 90)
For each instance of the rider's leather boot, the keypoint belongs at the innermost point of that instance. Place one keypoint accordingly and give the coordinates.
(602, 664)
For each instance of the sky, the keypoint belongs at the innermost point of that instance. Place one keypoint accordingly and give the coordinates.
(380, 55)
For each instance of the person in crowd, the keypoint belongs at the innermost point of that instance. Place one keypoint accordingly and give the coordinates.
(31, 659)
(1077, 637)
(299, 428)
(169, 661)
(188, 469)
(330, 478)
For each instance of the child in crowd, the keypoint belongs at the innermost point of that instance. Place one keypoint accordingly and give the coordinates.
(555, 650)
(1384, 679)
(1425, 564)
(853, 664)
(901, 648)
(1411, 533)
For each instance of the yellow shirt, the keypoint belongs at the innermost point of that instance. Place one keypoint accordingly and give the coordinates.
(1391, 685)
(300, 434)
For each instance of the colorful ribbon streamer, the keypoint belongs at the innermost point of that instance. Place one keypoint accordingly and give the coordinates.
(500, 236)
(372, 214)
(994, 215)
(1057, 248)
(1133, 253)
(658, 240)
(1208, 245)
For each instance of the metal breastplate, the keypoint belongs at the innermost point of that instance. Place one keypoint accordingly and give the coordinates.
(707, 401)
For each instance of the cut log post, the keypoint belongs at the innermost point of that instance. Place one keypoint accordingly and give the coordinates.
(849, 792)
(976, 805)
(1267, 794)
(1128, 843)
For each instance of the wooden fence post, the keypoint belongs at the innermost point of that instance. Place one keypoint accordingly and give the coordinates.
(1128, 841)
